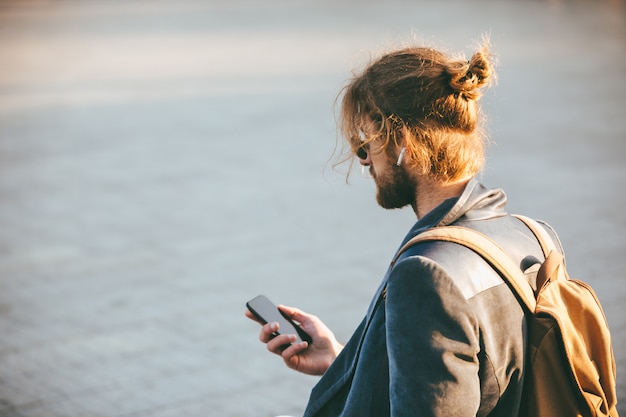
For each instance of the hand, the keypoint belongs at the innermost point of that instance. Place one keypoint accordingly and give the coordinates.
(311, 359)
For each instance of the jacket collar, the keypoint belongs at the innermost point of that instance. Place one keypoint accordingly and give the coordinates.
(475, 202)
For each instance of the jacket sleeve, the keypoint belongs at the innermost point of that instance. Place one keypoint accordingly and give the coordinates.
(432, 342)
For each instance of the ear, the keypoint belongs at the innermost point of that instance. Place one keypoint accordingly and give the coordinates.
(401, 144)
(403, 134)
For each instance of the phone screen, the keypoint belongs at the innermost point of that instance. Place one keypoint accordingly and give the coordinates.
(268, 312)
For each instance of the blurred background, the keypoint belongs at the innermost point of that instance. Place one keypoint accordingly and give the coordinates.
(162, 162)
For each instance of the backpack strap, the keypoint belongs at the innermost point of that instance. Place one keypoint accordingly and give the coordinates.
(488, 250)
(553, 267)
(545, 240)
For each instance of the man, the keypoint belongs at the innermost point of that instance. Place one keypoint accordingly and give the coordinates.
(444, 334)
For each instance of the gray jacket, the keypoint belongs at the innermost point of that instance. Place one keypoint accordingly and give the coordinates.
(444, 334)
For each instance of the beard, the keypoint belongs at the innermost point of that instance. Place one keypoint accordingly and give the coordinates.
(394, 189)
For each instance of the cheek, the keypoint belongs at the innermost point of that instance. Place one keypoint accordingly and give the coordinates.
(380, 160)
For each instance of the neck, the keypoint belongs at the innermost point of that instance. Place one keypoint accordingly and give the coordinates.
(430, 193)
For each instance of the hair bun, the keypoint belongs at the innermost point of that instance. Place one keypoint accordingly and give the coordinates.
(468, 77)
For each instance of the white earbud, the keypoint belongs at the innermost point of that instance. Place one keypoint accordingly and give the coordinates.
(399, 161)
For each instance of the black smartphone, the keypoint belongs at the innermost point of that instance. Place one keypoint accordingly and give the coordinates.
(266, 311)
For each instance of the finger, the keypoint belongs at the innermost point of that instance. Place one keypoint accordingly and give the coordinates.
(293, 350)
(268, 332)
(281, 342)
(252, 317)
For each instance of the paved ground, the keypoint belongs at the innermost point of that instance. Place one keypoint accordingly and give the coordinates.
(161, 162)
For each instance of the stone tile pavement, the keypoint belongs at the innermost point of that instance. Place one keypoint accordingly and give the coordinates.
(163, 162)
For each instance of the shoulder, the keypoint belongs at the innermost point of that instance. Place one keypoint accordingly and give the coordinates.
(446, 267)
(465, 268)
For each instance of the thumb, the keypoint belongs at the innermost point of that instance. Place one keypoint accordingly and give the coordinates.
(294, 313)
